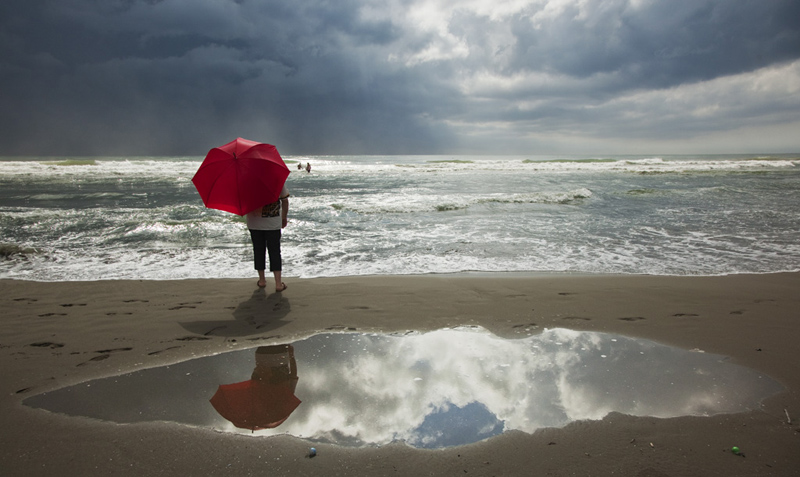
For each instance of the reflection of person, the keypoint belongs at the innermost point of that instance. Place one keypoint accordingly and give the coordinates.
(274, 382)
(275, 365)
(265, 226)
(267, 399)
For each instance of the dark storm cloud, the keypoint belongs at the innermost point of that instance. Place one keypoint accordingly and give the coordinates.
(583, 64)
(149, 77)
(660, 43)
(359, 76)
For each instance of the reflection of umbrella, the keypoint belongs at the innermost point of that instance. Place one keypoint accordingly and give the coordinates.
(241, 176)
(266, 400)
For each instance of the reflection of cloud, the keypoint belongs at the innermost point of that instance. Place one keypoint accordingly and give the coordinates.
(372, 389)
(442, 388)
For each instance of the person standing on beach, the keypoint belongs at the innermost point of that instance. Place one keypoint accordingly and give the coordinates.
(265, 226)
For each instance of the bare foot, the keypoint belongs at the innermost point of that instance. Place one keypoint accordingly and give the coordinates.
(261, 283)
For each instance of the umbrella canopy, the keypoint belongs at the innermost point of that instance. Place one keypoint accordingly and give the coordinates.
(255, 404)
(241, 176)
(266, 400)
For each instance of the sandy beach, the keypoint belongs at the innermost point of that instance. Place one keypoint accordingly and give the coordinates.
(59, 334)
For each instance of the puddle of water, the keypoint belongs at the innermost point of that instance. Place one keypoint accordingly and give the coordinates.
(439, 389)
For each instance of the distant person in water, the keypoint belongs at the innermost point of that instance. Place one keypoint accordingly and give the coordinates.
(265, 224)
(308, 167)
(299, 166)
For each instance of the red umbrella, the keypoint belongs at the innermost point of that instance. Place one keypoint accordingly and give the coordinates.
(255, 404)
(241, 176)
(266, 400)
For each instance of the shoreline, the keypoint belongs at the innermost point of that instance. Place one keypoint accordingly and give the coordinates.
(62, 333)
(458, 274)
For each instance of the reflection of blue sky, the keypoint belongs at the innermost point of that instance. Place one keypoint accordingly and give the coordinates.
(450, 387)
(452, 426)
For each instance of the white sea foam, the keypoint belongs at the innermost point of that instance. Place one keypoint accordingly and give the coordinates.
(166, 169)
(142, 218)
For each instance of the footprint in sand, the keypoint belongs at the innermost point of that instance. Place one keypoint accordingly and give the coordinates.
(737, 312)
(29, 300)
(265, 338)
(340, 328)
(193, 338)
(53, 314)
(212, 330)
(152, 353)
(576, 318)
(685, 314)
(115, 350)
(105, 354)
(527, 325)
(189, 304)
(135, 300)
(632, 318)
(67, 305)
(47, 344)
(96, 358)
(566, 293)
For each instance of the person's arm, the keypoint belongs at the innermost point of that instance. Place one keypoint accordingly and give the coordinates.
(284, 211)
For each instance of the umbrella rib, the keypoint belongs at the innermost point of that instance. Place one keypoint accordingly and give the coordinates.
(238, 188)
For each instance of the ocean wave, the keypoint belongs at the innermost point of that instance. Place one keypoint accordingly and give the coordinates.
(72, 162)
(74, 168)
(541, 198)
(67, 197)
(411, 203)
(570, 161)
(181, 169)
(141, 218)
(9, 250)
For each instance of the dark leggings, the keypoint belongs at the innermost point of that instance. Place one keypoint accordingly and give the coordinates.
(266, 241)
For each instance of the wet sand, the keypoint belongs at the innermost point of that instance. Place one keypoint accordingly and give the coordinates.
(59, 334)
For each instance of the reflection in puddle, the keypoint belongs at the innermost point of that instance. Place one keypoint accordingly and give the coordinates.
(265, 400)
(438, 389)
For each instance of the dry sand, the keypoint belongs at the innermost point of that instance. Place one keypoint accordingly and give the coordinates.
(59, 334)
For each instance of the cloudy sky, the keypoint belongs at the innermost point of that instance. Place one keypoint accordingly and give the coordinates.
(166, 77)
